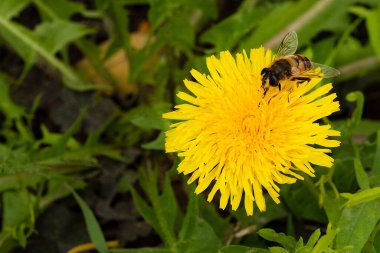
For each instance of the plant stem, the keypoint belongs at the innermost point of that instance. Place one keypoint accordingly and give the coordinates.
(298, 23)
(342, 39)
(72, 79)
(154, 198)
(359, 65)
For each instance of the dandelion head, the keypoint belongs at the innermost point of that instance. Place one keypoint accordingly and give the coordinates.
(234, 139)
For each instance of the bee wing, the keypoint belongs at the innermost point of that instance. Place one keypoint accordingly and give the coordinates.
(288, 45)
(325, 70)
(310, 74)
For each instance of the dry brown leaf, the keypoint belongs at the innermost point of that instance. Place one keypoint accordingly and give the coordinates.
(117, 65)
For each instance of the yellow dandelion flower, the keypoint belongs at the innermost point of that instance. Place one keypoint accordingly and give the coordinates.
(236, 140)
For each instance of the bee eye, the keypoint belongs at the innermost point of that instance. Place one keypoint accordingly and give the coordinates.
(273, 81)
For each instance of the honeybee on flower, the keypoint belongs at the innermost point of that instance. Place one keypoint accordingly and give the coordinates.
(296, 67)
(234, 140)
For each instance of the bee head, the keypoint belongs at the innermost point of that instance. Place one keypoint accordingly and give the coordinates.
(268, 76)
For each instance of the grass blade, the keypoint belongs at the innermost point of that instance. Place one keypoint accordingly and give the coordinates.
(71, 79)
(93, 228)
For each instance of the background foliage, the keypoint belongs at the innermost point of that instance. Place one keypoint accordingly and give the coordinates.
(83, 85)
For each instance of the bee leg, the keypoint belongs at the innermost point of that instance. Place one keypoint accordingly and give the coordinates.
(300, 80)
(265, 91)
(279, 86)
(306, 79)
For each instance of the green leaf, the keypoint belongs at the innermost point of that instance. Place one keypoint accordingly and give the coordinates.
(373, 27)
(12, 181)
(344, 174)
(150, 117)
(361, 175)
(290, 12)
(356, 224)
(62, 140)
(7, 107)
(362, 196)
(201, 239)
(221, 225)
(177, 33)
(14, 160)
(163, 211)
(55, 35)
(366, 127)
(26, 53)
(102, 5)
(278, 250)
(208, 8)
(241, 249)
(94, 136)
(259, 220)
(331, 204)
(61, 9)
(142, 250)
(156, 144)
(324, 243)
(175, 22)
(313, 238)
(359, 11)
(369, 248)
(10, 8)
(299, 244)
(160, 10)
(320, 51)
(236, 26)
(376, 241)
(27, 39)
(374, 181)
(169, 204)
(93, 228)
(302, 199)
(146, 211)
(270, 25)
(356, 49)
(196, 234)
(16, 209)
(120, 18)
(376, 160)
(288, 242)
(310, 244)
(192, 212)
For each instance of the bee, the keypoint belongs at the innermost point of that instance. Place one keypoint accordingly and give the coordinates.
(295, 67)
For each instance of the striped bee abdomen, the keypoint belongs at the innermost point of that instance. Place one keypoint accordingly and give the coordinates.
(288, 65)
(300, 64)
